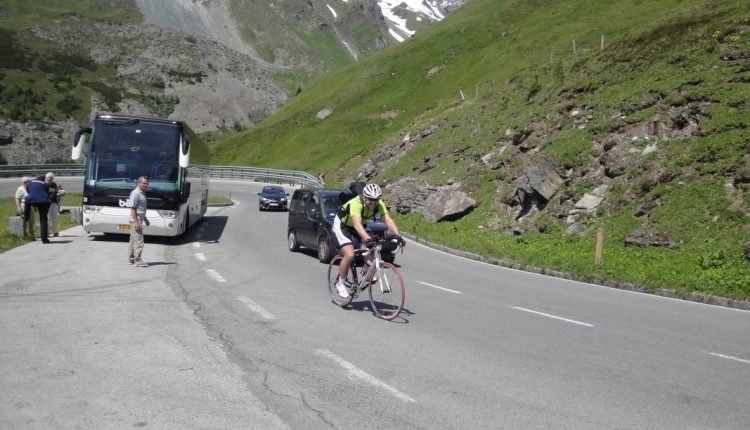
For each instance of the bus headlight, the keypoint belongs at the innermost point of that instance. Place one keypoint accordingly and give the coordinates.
(91, 209)
(167, 214)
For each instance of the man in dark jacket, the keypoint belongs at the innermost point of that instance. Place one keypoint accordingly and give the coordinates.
(39, 198)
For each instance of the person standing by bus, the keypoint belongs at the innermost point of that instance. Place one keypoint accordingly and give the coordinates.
(54, 203)
(138, 203)
(38, 198)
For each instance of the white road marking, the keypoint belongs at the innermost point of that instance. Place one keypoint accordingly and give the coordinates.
(257, 308)
(200, 256)
(196, 244)
(553, 316)
(364, 376)
(440, 288)
(729, 357)
(215, 275)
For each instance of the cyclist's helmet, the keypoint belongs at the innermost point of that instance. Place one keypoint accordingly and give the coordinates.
(372, 191)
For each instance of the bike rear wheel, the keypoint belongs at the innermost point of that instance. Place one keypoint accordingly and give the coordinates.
(387, 294)
(333, 275)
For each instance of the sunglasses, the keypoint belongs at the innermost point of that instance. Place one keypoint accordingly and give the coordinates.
(371, 200)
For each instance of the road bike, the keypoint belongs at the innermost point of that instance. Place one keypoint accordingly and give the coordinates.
(381, 279)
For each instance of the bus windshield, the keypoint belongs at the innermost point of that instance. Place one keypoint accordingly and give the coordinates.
(123, 151)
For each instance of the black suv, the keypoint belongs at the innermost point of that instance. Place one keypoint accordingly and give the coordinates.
(311, 214)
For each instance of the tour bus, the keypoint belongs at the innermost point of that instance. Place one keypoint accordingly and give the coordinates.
(120, 149)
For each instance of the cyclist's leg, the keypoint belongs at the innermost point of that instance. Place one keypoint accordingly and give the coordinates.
(347, 256)
(346, 238)
(333, 277)
(343, 237)
(388, 294)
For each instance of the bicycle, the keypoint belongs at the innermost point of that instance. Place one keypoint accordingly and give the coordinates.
(387, 292)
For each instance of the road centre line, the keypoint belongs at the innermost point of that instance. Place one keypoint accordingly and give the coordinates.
(553, 316)
(440, 288)
(729, 357)
(215, 275)
(256, 308)
(200, 256)
(364, 376)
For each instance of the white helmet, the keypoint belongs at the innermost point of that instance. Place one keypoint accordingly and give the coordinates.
(372, 191)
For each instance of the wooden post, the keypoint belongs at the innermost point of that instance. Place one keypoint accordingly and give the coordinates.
(599, 246)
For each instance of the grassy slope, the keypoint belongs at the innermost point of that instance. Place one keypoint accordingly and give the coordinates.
(517, 57)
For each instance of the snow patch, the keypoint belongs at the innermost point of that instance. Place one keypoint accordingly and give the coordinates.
(397, 25)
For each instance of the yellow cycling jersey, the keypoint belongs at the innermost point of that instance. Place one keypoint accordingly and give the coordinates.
(357, 208)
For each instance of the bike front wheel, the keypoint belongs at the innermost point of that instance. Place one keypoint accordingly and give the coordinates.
(387, 294)
(333, 276)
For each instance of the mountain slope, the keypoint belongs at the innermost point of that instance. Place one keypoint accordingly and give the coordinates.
(221, 65)
(556, 119)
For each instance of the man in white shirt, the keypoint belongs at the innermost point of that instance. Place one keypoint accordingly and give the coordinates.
(138, 203)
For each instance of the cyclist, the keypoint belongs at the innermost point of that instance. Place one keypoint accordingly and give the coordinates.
(349, 229)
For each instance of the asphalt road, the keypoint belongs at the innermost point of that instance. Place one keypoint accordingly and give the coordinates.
(228, 313)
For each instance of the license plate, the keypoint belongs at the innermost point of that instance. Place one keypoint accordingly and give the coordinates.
(124, 227)
(273, 204)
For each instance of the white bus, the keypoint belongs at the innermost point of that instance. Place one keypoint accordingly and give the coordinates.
(123, 148)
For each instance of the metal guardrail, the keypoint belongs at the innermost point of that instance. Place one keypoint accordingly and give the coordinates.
(257, 174)
(19, 170)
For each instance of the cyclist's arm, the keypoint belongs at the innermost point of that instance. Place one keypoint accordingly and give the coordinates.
(357, 220)
(391, 224)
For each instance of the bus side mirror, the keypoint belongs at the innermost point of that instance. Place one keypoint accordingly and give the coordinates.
(78, 142)
(185, 193)
(184, 152)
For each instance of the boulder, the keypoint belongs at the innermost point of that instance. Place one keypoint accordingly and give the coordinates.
(435, 203)
(406, 195)
(590, 201)
(5, 137)
(540, 176)
(539, 182)
(648, 236)
(620, 158)
(323, 113)
(447, 205)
